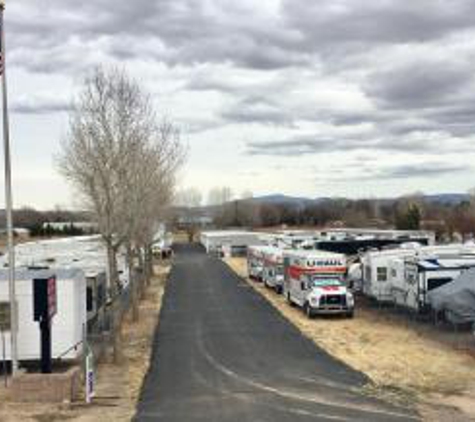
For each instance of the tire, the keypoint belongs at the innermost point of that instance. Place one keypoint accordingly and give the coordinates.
(350, 314)
(278, 290)
(289, 301)
(308, 311)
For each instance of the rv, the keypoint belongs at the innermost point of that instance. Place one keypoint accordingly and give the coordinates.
(314, 280)
(273, 271)
(389, 275)
(380, 269)
(422, 276)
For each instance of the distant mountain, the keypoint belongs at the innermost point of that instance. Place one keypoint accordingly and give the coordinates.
(447, 198)
(281, 199)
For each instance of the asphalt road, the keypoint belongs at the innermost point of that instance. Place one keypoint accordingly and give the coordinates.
(223, 354)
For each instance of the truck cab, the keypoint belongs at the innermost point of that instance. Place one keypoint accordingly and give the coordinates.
(314, 281)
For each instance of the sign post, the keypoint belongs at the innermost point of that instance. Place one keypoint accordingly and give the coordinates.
(44, 309)
(90, 381)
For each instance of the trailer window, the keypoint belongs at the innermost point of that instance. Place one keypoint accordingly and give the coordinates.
(382, 274)
(434, 283)
(89, 300)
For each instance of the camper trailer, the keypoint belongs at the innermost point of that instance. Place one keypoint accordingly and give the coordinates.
(380, 269)
(422, 276)
(273, 271)
(389, 275)
(314, 280)
(68, 323)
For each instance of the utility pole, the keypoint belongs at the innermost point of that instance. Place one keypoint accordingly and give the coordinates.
(8, 199)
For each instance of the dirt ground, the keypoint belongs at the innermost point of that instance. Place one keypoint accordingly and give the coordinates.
(401, 360)
(118, 386)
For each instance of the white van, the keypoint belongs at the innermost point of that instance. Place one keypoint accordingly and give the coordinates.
(314, 280)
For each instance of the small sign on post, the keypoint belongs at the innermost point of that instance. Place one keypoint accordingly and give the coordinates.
(90, 381)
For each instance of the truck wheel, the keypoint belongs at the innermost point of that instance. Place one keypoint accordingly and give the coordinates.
(350, 314)
(289, 301)
(308, 311)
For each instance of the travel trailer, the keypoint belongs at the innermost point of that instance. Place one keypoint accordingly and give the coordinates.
(388, 275)
(315, 281)
(273, 271)
(423, 276)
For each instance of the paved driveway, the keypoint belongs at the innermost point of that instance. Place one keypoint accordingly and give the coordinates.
(222, 353)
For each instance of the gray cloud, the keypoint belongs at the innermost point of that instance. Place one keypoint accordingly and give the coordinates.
(44, 104)
(396, 172)
(317, 144)
(404, 69)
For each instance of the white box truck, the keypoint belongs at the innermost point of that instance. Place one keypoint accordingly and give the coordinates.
(273, 272)
(314, 280)
(255, 261)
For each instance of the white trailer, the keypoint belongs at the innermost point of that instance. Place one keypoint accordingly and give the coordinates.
(422, 276)
(68, 323)
(314, 280)
(380, 269)
(385, 275)
(273, 271)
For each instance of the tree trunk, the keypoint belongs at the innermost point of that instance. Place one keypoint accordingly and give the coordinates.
(112, 273)
(134, 285)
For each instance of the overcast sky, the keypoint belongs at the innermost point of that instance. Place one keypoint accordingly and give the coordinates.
(360, 98)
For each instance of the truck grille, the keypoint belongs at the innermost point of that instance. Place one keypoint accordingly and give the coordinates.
(333, 300)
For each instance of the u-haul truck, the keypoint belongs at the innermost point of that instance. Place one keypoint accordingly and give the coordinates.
(273, 274)
(255, 262)
(314, 280)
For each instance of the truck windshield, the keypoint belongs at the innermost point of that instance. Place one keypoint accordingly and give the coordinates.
(323, 282)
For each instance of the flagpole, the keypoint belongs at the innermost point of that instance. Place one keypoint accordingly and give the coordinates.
(8, 202)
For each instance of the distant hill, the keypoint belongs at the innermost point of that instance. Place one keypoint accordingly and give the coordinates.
(281, 199)
(447, 198)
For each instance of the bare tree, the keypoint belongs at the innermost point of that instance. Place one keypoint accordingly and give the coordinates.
(120, 160)
(219, 195)
(189, 197)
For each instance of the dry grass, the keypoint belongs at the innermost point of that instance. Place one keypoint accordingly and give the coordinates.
(393, 354)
